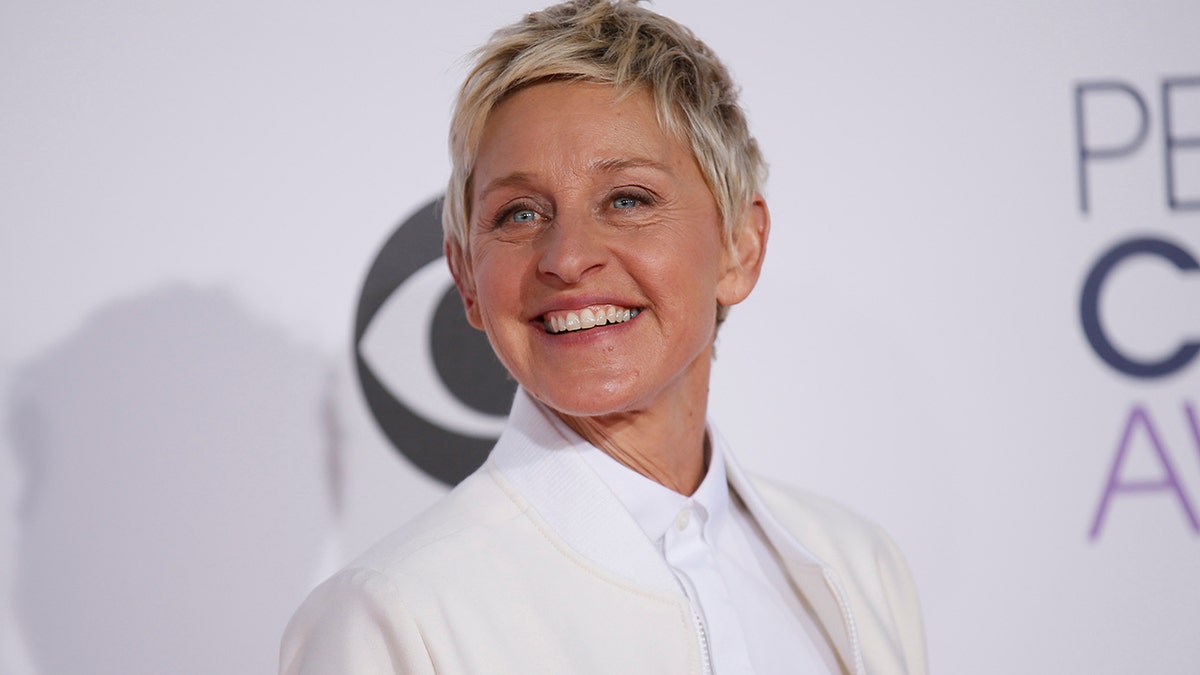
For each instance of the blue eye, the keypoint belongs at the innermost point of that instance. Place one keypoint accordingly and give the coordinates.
(524, 216)
(624, 203)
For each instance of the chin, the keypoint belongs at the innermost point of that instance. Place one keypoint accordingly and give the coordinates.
(595, 400)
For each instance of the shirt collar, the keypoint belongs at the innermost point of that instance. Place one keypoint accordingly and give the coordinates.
(654, 506)
(539, 462)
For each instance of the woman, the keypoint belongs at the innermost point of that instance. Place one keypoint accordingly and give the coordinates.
(603, 213)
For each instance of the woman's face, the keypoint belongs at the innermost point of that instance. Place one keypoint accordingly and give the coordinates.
(596, 251)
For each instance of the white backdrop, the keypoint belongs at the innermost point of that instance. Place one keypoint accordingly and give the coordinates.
(192, 193)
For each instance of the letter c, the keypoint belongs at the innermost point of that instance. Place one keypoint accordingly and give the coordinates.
(1089, 308)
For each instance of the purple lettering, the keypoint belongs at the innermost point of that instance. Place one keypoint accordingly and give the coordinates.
(1191, 415)
(1168, 482)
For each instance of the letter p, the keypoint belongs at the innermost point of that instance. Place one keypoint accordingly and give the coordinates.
(1086, 153)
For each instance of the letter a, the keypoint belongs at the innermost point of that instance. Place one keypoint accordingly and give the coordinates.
(1115, 484)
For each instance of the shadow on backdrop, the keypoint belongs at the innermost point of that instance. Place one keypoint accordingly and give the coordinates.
(178, 457)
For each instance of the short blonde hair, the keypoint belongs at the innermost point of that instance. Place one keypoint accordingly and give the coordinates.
(619, 43)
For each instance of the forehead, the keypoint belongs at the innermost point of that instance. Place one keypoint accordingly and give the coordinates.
(577, 125)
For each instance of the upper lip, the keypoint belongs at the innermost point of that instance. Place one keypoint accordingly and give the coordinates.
(576, 303)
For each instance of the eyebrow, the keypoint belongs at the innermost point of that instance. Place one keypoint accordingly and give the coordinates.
(518, 178)
(618, 164)
(613, 165)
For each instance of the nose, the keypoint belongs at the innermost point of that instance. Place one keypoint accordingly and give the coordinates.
(572, 247)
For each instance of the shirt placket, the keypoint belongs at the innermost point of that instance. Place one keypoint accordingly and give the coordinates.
(687, 551)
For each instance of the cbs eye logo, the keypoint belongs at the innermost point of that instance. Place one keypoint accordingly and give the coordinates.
(431, 380)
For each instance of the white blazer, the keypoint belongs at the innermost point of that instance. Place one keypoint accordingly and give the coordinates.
(531, 565)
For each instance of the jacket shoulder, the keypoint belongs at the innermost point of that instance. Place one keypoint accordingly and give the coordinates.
(373, 616)
(472, 510)
(823, 525)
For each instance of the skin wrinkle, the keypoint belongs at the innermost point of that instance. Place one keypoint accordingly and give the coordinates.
(655, 466)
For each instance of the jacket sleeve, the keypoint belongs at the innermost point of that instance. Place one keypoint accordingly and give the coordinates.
(900, 592)
(354, 623)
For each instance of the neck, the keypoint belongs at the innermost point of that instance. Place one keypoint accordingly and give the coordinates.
(665, 442)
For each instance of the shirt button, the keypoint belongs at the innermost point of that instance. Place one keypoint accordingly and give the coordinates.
(682, 519)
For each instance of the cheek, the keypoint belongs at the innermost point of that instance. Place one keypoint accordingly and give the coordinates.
(683, 286)
(690, 265)
(498, 281)
(489, 269)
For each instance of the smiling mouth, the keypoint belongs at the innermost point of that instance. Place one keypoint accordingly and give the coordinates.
(589, 317)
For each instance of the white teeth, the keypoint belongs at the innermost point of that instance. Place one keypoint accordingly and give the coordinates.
(588, 317)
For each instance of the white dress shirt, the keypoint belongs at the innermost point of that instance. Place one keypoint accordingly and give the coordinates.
(751, 618)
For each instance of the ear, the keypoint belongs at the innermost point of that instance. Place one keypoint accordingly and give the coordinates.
(464, 282)
(743, 265)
